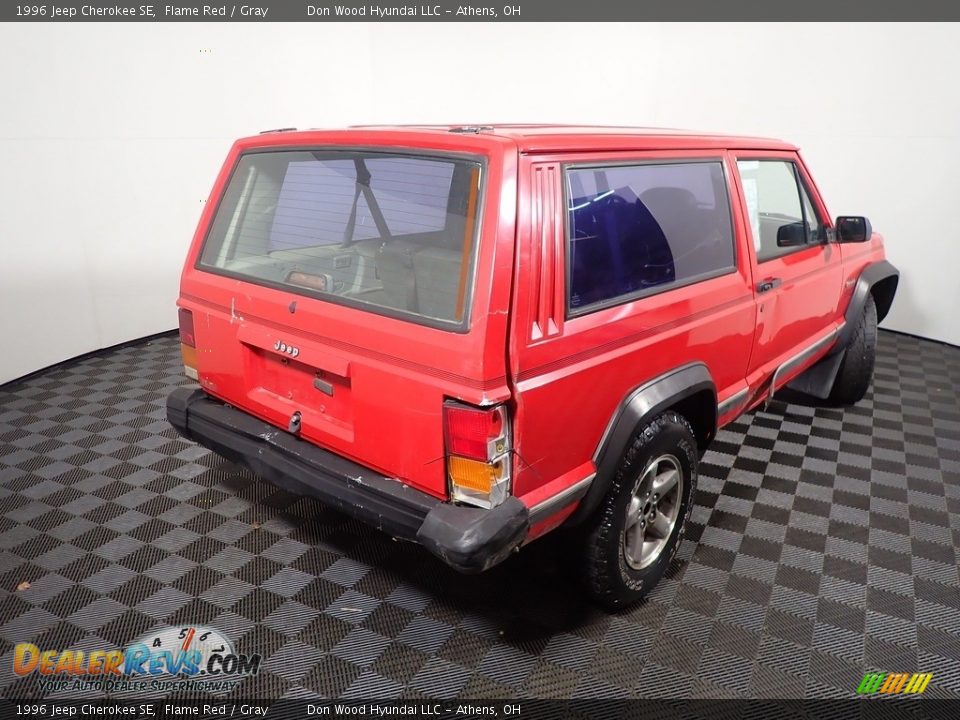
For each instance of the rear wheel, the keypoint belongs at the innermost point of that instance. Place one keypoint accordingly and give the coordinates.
(637, 530)
(856, 369)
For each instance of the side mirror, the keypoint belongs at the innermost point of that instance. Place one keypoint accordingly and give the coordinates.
(792, 235)
(853, 229)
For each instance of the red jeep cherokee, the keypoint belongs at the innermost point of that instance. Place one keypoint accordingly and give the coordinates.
(470, 336)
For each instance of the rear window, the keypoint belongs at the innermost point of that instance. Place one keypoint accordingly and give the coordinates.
(636, 230)
(392, 233)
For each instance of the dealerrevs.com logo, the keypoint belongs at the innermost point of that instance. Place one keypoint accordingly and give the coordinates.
(169, 660)
(894, 683)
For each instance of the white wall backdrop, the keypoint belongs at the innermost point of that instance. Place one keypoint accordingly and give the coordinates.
(111, 135)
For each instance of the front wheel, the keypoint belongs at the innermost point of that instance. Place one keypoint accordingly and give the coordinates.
(637, 529)
(856, 368)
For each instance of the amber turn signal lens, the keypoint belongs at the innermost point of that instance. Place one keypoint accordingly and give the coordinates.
(471, 474)
(189, 355)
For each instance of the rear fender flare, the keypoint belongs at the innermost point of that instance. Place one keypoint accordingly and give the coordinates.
(639, 407)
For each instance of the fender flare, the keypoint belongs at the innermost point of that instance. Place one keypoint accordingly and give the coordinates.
(818, 380)
(872, 275)
(640, 406)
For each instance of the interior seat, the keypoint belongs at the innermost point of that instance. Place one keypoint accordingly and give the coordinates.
(367, 248)
(697, 232)
(437, 275)
(395, 263)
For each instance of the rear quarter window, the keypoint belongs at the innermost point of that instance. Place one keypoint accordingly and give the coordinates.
(636, 230)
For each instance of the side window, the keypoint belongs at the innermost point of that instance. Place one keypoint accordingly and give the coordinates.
(782, 215)
(816, 232)
(640, 229)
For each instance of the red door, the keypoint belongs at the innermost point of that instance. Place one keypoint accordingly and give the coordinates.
(629, 265)
(797, 273)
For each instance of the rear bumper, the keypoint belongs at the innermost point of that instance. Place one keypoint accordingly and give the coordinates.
(467, 539)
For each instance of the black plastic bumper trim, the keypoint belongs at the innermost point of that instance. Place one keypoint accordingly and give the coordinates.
(468, 539)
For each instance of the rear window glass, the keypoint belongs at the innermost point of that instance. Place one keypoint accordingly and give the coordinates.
(392, 233)
(641, 229)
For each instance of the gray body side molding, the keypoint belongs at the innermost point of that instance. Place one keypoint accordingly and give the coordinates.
(818, 380)
(641, 405)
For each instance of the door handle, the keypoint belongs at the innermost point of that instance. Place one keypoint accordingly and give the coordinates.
(768, 284)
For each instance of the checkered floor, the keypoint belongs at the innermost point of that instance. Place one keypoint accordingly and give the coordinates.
(823, 546)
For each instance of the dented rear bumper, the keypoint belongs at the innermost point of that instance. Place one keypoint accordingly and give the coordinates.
(465, 538)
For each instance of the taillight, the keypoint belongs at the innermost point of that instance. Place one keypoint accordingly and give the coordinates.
(478, 453)
(186, 328)
(470, 430)
(188, 344)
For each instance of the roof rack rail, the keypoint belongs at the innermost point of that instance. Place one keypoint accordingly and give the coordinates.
(267, 132)
(474, 129)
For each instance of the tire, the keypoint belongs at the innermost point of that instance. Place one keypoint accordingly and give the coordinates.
(616, 570)
(856, 368)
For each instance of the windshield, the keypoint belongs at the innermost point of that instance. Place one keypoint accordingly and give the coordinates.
(394, 233)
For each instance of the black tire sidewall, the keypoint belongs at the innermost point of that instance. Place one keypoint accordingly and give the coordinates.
(869, 339)
(856, 370)
(671, 436)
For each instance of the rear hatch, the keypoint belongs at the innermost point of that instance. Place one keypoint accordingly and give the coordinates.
(341, 287)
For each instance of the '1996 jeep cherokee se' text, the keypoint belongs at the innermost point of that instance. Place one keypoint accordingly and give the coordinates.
(470, 336)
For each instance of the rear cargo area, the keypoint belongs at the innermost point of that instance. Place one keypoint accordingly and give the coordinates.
(331, 295)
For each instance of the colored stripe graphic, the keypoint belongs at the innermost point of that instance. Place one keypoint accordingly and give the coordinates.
(871, 683)
(894, 683)
(918, 683)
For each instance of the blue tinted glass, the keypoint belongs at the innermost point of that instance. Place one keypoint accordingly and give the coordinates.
(637, 228)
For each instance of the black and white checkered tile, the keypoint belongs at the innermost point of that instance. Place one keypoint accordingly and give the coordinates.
(823, 546)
